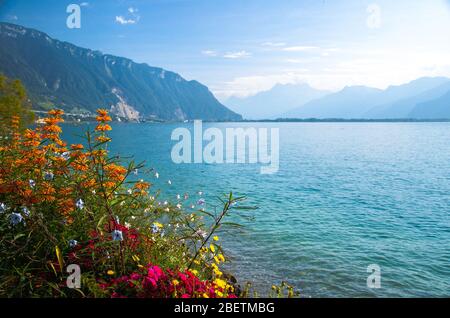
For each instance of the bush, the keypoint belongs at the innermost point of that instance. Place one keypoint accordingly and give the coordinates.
(62, 205)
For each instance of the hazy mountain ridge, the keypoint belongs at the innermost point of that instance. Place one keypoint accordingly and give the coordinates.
(402, 101)
(279, 99)
(83, 79)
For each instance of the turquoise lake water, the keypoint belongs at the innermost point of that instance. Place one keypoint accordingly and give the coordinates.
(346, 195)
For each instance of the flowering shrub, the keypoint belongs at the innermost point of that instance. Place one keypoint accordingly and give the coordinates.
(74, 204)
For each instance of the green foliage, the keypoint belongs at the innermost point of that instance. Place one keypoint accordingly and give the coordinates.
(14, 102)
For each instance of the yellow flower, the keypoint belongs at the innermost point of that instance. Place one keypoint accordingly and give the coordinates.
(221, 257)
(212, 248)
(135, 258)
(194, 271)
(175, 282)
(216, 259)
(110, 272)
(205, 295)
(220, 283)
(216, 238)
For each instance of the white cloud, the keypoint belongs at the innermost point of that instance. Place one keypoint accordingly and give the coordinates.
(237, 55)
(274, 44)
(209, 53)
(132, 17)
(300, 48)
(84, 4)
(121, 20)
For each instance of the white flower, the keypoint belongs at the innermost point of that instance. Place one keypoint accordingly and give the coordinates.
(201, 233)
(16, 218)
(169, 182)
(65, 155)
(155, 228)
(129, 191)
(117, 235)
(179, 206)
(178, 197)
(127, 225)
(166, 203)
(25, 211)
(2, 207)
(48, 176)
(156, 175)
(94, 192)
(167, 209)
(200, 192)
(32, 183)
(79, 204)
(192, 206)
(73, 243)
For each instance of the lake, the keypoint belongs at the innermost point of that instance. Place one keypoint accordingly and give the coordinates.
(347, 195)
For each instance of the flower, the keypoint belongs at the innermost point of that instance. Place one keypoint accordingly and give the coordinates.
(117, 235)
(215, 238)
(110, 272)
(32, 183)
(79, 204)
(169, 182)
(48, 176)
(65, 155)
(212, 248)
(16, 218)
(156, 227)
(25, 211)
(201, 201)
(2, 207)
(73, 243)
(156, 175)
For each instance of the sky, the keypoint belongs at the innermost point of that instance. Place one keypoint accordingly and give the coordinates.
(242, 47)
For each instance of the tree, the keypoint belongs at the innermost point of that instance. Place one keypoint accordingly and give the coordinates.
(13, 102)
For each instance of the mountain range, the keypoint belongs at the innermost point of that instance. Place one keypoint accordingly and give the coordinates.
(270, 104)
(423, 98)
(60, 74)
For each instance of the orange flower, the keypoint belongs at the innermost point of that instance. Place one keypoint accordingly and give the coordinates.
(103, 118)
(104, 127)
(142, 185)
(103, 139)
(77, 146)
(102, 112)
(56, 112)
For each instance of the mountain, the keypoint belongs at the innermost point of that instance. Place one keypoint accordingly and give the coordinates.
(418, 91)
(371, 103)
(60, 74)
(347, 103)
(279, 99)
(438, 108)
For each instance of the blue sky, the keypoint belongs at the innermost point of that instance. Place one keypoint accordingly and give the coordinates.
(240, 47)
